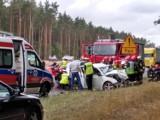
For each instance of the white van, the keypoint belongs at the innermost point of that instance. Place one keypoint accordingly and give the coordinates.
(20, 66)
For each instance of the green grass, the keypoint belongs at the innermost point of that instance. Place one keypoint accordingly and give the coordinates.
(132, 103)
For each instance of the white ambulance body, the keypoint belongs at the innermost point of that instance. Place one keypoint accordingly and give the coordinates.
(20, 66)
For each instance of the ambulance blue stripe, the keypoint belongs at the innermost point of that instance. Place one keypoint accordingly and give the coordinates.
(39, 73)
(7, 72)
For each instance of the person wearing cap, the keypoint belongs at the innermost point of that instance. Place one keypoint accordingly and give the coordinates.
(64, 80)
(141, 69)
(88, 66)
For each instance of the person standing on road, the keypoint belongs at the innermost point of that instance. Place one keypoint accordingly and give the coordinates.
(88, 66)
(74, 70)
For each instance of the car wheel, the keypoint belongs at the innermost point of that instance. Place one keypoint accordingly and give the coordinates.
(33, 115)
(108, 85)
(44, 90)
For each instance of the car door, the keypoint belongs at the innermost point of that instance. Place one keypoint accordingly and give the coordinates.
(83, 77)
(34, 72)
(97, 79)
(9, 108)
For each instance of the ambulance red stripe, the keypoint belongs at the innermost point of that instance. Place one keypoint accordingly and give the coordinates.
(6, 44)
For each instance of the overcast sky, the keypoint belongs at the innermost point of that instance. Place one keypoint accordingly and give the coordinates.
(130, 16)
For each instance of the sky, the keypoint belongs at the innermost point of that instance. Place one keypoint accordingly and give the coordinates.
(131, 16)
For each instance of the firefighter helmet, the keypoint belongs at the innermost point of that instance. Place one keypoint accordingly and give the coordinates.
(127, 58)
(156, 66)
(134, 57)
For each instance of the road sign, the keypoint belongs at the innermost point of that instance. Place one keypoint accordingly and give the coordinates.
(129, 47)
(129, 42)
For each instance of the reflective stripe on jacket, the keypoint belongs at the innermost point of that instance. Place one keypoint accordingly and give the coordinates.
(64, 78)
(130, 68)
(89, 68)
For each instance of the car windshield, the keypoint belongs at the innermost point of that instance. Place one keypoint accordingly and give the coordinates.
(104, 49)
(3, 91)
(104, 70)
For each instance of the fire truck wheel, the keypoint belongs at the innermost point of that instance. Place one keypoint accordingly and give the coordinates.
(44, 90)
(108, 85)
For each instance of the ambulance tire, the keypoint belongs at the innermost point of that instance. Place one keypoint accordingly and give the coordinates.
(44, 90)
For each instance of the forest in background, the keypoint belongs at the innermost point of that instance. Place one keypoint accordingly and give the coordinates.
(51, 32)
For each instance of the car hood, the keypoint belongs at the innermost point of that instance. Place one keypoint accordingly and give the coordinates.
(121, 73)
(28, 96)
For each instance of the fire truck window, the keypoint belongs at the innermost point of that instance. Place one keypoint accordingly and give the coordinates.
(89, 50)
(104, 49)
(5, 58)
(33, 59)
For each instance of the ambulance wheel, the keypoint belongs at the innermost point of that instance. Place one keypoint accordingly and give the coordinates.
(108, 85)
(44, 90)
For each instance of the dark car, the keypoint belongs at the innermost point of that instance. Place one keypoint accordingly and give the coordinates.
(17, 106)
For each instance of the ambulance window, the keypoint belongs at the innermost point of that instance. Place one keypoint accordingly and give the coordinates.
(5, 58)
(33, 59)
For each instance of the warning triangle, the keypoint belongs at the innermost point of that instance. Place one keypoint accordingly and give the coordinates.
(129, 42)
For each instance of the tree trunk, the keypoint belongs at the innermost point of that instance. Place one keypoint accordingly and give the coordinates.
(74, 44)
(20, 23)
(30, 27)
(69, 46)
(45, 39)
(61, 42)
(40, 42)
(24, 28)
(11, 20)
(50, 38)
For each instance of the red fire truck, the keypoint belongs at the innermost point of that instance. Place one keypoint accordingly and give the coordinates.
(109, 48)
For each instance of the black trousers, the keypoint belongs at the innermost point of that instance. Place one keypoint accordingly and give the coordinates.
(89, 81)
(131, 77)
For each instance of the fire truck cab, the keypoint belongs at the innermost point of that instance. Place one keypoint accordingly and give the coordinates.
(21, 67)
(108, 47)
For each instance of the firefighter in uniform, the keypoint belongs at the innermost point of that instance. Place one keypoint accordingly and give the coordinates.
(135, 75)
(64, 82)
(88, 66)
(141, 69)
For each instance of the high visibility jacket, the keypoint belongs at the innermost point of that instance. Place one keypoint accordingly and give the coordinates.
(64, 78)
(130, 68)
(89, 68)
(64, 63)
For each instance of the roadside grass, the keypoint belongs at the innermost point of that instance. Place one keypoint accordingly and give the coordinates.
(132, 103)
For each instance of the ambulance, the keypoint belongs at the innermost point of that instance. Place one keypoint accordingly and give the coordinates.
(21, 67)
